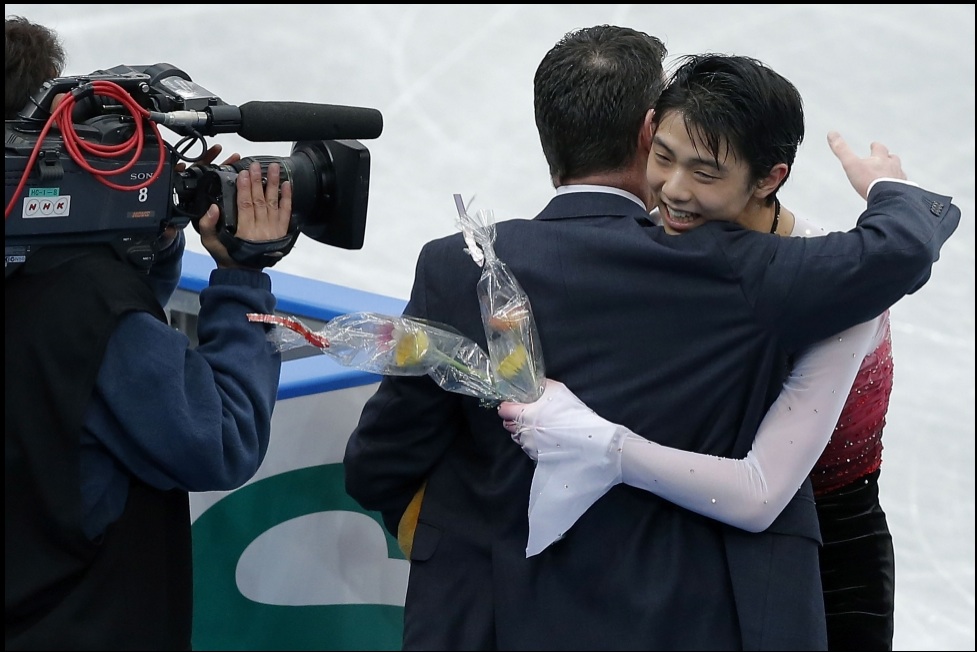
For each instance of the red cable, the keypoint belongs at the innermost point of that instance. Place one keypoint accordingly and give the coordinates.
(76, 146)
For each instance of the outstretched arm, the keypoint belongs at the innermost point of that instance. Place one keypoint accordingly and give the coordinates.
(581, 455)
(862, 173)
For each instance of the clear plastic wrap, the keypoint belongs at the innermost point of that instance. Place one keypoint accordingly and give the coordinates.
(394, 346)
(510, 329)
(512, 370)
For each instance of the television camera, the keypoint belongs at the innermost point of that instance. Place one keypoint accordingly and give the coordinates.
(65, 181)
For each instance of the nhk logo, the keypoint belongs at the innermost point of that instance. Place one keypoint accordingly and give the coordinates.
(59, 206)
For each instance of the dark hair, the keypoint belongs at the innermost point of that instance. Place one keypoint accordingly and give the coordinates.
(34, 54)
(738, 104)
(592, 91)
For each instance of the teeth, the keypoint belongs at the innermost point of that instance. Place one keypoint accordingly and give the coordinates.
(681, 216)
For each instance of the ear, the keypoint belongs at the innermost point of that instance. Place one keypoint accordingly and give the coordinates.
(647, 133)
(769, 184)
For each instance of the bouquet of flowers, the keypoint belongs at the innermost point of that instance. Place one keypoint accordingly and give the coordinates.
(394, 346)
(406, 346)
(510, 329)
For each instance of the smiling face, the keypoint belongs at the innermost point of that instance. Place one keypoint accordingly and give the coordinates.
(692, 185)
(727, 129)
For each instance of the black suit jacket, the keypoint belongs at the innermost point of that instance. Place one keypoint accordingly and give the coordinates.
(685, 340)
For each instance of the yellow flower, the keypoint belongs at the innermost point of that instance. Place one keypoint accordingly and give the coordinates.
(514, 362)
(411, 348)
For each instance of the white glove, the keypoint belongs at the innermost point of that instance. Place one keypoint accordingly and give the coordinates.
(578, 459)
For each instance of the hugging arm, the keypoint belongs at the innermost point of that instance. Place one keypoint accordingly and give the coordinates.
(850, 277)
(580, 455)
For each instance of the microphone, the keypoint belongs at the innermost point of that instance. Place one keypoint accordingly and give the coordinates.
(278, 121)
(282, 121)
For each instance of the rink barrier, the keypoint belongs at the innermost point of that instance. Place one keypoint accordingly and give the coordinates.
(289, 560)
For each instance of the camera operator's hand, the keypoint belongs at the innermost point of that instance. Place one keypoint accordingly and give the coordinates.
(168, 237)
(208, 157)
(261, 215)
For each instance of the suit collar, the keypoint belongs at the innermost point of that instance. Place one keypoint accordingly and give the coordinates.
(591, 203)
(586, 187)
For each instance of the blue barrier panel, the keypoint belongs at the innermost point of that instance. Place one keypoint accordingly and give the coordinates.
(289, 561)
(298, 295)
(312, 299)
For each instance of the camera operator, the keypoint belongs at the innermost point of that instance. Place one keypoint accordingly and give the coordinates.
(111, 418)
(33, 55)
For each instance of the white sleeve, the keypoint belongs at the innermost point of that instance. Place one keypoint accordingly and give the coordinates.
(750, 493)
(581, 455)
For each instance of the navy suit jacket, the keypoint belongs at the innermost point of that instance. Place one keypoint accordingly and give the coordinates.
(685, 340)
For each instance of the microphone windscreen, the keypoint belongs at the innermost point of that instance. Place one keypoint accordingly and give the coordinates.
(284, 121)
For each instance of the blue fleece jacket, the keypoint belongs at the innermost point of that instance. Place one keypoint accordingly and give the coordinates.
(176, 417)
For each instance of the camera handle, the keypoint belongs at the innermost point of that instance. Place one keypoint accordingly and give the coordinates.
(257, 254)
(220, 188)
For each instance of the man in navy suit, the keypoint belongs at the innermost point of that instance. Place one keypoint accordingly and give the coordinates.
(699, 328)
